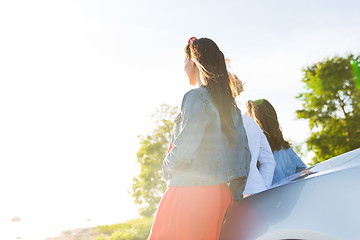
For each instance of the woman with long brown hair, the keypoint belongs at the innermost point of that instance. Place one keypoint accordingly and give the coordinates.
(287, 161)
(208, 149)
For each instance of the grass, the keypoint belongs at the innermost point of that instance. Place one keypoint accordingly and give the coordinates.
(135, 229)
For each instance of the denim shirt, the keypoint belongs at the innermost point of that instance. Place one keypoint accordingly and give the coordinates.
(201, 154)
(287, 164)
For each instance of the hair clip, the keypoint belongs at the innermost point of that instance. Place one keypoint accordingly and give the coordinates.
(191, 40)
(258, 102)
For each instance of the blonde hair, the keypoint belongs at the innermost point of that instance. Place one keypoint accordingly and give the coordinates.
(236, 85)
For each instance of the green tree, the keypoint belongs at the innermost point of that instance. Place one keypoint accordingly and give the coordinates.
(331, 103)
(149, 185)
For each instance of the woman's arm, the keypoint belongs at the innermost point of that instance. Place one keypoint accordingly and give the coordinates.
(266, 161)
(186, 140)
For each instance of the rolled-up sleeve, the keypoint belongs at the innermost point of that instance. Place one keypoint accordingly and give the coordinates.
(190, 132)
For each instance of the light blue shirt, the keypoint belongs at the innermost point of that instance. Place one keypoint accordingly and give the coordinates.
(287, 164)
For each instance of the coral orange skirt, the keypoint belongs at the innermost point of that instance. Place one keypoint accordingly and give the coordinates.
(194, 212)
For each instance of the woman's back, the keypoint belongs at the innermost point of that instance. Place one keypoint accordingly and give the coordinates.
(201, 153)
(287, 164)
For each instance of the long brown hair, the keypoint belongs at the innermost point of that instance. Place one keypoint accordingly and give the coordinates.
(212, 67)
(265, 115)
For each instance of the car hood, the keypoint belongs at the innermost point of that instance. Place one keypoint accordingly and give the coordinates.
(339, 163)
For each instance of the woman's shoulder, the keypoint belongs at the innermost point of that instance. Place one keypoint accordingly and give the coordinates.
(197, 100)
(250, 123)
(283, 150)
(280, 153)
(197, 94)
(253, 130)
(288, 151)
(292, 153)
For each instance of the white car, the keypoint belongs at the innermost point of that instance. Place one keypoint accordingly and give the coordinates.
(319, 203)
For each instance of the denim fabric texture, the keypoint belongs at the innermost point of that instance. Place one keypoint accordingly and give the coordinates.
(287, 164)
(201, 154)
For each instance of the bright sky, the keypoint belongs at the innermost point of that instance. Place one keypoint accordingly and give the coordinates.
(79, 81)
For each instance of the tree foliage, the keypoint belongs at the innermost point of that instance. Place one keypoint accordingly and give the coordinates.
(331, 103)
(149, 185)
